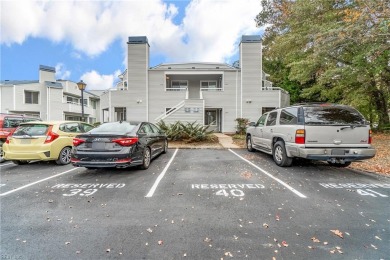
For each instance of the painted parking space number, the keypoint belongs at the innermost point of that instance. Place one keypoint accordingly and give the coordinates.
(226, 190)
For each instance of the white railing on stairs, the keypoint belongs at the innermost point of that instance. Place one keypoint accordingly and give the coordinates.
(164, 115)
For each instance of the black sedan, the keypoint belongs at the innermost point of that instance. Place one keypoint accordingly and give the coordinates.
(119, 144)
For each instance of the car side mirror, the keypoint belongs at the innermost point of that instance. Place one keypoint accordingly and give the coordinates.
(252, 124)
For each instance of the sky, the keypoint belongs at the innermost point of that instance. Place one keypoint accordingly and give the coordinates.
(87, 39)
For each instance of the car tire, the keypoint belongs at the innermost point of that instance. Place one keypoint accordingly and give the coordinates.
(17, 162)
(249, 143)
(165, 149)
(146, 157)
(340, 165)
(1, 159)
(64, 157)
(280, 156)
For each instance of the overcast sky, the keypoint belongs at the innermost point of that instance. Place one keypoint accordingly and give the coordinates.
(87, 39)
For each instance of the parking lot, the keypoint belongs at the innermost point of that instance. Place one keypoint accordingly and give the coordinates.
(194, 204)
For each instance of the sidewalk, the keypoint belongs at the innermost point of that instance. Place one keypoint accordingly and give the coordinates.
(226, 141)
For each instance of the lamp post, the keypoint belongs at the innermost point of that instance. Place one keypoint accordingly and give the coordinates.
(81, 85)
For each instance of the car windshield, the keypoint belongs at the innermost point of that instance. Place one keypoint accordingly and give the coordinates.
(31, 130)
(11, 122)
(333, 116)
(115, 127)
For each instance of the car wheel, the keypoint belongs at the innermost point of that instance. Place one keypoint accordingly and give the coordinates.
(249, 146)
(340, 165)
(64, 157)
(19, 162)
(280, 156)
(165, 150)
(146, 159)
(1, 159)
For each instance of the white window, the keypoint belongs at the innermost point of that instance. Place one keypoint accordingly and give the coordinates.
(177, 85)
(72, 100)
(31, 97)
(122, 85)
(210, 85)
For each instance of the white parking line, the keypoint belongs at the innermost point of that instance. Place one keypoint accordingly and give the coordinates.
(33, 183)
(4, 164)
(154, 187)
(271, 176)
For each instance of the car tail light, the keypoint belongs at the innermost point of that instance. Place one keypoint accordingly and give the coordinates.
(8, 138)
(369, 136)
(126, 141)
(51, 136)
(78, 141)
(300, 136)
(123, 160)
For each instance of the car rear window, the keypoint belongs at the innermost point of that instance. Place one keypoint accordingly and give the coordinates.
(31, 130)
(114, 127)
(332, 116)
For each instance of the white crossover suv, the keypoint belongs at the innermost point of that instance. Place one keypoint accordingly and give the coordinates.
(337, 134)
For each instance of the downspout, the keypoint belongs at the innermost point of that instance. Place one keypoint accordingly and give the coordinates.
(236, 93)
(109, 106)
(241, 92)
(48, 103)
(15, 98)
(147, 84)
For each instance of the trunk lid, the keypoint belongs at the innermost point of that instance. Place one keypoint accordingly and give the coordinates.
(100, 142)
(335, 126)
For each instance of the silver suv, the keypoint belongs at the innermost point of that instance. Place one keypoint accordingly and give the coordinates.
(337, 134)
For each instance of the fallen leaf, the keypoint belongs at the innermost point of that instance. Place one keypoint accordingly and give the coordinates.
(149, 230)
(338, 233)
(67, 243)
(265, 225)
(108, 250)
(160, 242)
(277, 217)
(207, 240)
(228, 254)
(315, 240)
(284, 243)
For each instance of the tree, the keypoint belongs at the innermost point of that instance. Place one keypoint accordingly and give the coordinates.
(331, 50)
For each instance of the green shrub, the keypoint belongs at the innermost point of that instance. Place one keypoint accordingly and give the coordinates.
(241, 125)
(187, 132)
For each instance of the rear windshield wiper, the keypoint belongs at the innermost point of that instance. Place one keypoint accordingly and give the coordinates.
(351, 126)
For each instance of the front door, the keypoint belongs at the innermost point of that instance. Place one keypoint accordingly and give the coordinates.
(213, 119)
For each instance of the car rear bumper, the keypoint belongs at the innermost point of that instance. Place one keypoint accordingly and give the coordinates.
(329, 154)
(27, 156)
(95, 164)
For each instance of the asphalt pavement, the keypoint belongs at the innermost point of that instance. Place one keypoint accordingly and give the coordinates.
(194, 204)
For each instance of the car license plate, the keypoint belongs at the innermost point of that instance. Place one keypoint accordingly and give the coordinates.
(25, 141)
(98, 146)
(338, 152)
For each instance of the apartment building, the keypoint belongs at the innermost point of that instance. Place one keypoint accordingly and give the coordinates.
(48, 98)
(210, 93)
